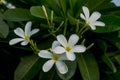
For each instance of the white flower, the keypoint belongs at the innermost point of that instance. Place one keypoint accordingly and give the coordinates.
(2, 2)
(91, 20)
(54, 59)
(25, 36)
(69, 47)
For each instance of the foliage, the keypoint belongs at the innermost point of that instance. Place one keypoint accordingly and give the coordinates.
(101, 60)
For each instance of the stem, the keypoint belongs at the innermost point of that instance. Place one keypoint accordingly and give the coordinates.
(65, 27)
(77, 26)
(34, 47)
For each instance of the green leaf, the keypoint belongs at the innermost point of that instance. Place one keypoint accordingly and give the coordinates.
(63, 5)
(118, 59)
(51, 75)
(109, 63)
(4, 29)
(111, 22)
(28, 67)
(88, 66)
(71, 70)
(38, 11)
(17, 14)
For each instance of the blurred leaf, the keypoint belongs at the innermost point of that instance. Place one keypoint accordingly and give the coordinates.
(63, 5)
(118, 59)
(28, 67)
(17, 14)
(109, 63)
(88, 66)
(38, 11)
(111, 22)
(4, 29)
(71, 70)
(51, 75)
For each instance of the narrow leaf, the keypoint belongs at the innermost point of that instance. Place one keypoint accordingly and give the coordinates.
(88, 66)
(71, 70)
(109, 63)
(17, 14)
(28, 67)
(4, 29)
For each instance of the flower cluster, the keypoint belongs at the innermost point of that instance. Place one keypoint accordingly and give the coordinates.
(62, 49)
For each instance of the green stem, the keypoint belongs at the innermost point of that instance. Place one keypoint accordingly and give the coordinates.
(65, 27)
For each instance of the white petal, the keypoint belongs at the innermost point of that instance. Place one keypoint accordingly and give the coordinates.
(93, 27)
(19, 32)
(79, 48)
(82, 16)
(24, 43)
(16, 40)
(28, 28)
(55, 44)
(34, 31)
(59, 50)
(86, 12)
(62, 40)
(99, 23)
(48, 65)
(62, 67)
(94, 16)
(63, 57)
(73, 39)
(71, 56)
(45, 54)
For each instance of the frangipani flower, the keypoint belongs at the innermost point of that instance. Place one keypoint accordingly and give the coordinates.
(2, 2)
(91, 20)
(69, 47)
(54, 59)
(25, 36)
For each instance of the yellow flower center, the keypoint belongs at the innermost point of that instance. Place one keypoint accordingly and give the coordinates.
(68, 48)
(88, 22)
(27, 37)
(55, 58)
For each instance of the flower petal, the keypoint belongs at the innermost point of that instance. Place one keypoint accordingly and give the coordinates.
(62, 40)
(82, 16)
(79, 48)
(59, 50)
(63, 57)
(16, 40)
(71, 56)
(19, 32)
(92, 26)
(24, 43)
(55, 44)
(28, 28)
(73, 39)
(45, 54)
(62, 67)
(99, 23)
(86, 12)
(94, 16)
(48, 65)
(34, 31)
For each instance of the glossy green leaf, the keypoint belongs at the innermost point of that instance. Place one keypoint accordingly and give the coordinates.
(17, 14)
(111, 24)
(88, 66)
(4, 29)
(37, 11)
(109, 63)
(71, 70)
(28, 67)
